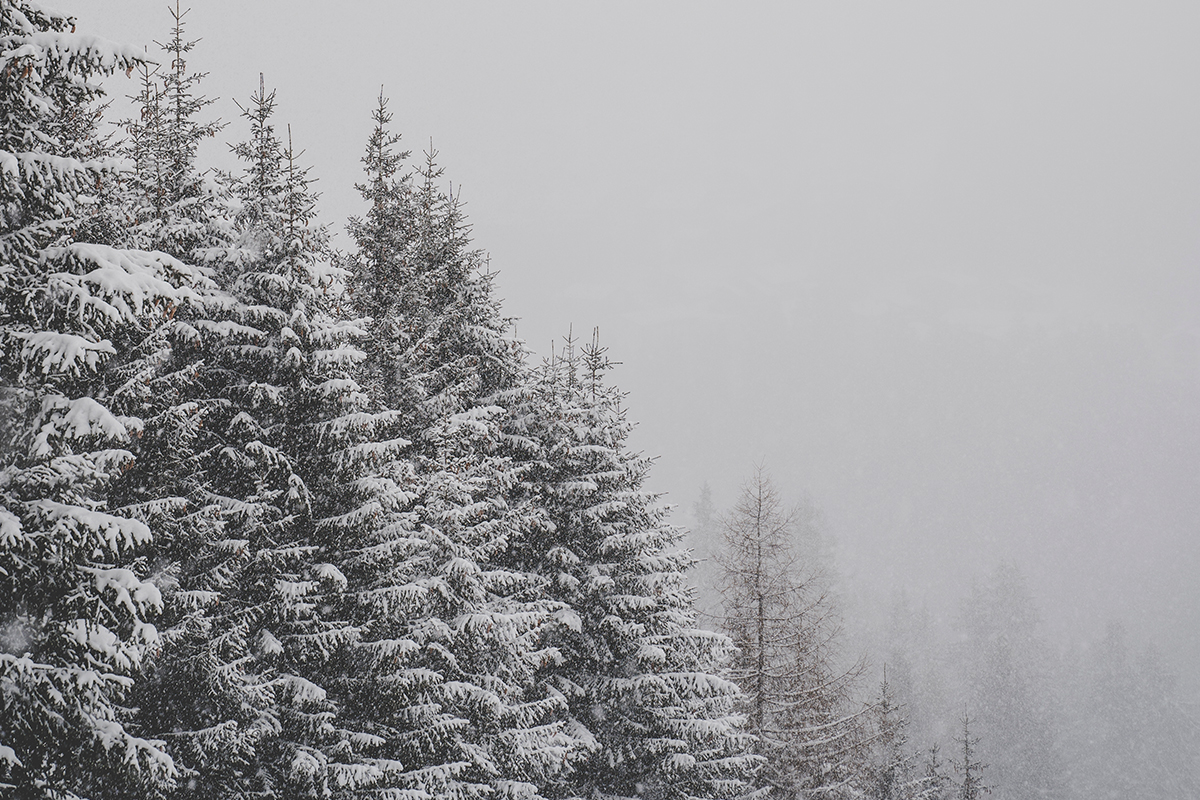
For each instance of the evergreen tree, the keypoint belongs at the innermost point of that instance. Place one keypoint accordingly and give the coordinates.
(891, 764)
(79, 130)
(383, 262)
(640, 678)
(195, 692)
(1007, 667)
(443, 671)
(935, 782)
(244, 683)
(76, 599)
(970, 786)
(779, 616)
(285, 453)
(171, 205)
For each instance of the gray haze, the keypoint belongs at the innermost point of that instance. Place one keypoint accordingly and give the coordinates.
(934, 262)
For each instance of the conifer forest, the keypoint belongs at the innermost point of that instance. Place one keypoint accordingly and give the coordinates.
(289, 510)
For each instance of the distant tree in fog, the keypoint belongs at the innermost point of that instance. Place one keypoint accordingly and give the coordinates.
(915, 670)
(704, 538)
(1131, 734)
(892, 771)
(936, 781)
(1170, 748)
(1006, 670)
(968, 765)
(776, 609)
(703, 509)
(891, 764)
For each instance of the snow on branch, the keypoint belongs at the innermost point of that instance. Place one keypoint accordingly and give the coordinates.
(116, 532)
(64, 352)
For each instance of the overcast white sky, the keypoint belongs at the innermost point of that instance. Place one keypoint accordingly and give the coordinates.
(935, 262)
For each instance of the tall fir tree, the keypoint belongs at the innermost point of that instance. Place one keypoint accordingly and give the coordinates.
(442, 676)
(936, 784)
(171, 204)
(892, 768)
(915, 673)
(76, 596)
(382, 264)
(252, 713)
(195, 692)
(891, 765)
(645, 698)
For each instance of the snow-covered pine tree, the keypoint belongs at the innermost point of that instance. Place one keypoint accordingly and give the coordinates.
(444, 667)
(74, 598)
(144, 189)
(194, 692)
(277, 360)
(640, 677)
(968, 765)
(779, 616)
(173, 206)
(80, 132)
(382, 264)
(892, 768)
(935, 782)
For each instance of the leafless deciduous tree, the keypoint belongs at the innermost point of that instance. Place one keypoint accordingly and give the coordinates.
(777, 608)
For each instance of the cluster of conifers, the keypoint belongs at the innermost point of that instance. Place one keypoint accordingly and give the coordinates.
(276, 522)
(281, 522)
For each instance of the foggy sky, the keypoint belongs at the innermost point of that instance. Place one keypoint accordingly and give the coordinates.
(934, 262)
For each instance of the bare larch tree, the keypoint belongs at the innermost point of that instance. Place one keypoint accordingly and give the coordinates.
(777, 608)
